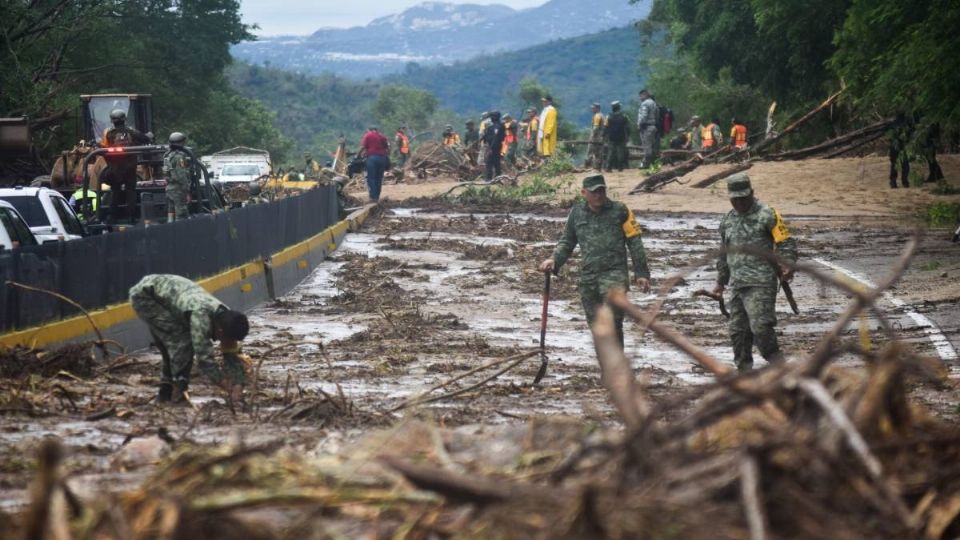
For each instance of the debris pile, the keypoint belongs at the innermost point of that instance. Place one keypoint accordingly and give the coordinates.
(434, 159)
(76, 359)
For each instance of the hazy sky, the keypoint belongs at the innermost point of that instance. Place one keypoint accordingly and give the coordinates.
(300, 17)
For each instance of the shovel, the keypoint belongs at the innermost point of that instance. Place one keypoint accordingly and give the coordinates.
(543, 330)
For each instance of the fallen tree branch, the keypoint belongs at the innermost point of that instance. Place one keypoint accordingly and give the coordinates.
(100, 341)
(710, 180)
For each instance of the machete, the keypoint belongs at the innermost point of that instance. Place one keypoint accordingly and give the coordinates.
(715, 296)
(788, 292)
(543, 330)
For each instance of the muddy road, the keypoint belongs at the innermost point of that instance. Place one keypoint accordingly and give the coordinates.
(426, 293)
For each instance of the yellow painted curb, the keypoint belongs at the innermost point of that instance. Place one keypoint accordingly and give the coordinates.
(238, 276)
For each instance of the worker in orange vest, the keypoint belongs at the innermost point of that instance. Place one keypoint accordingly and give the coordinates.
(403, 145)
(450, 137)
(738, 134)
(711, 137)
(509, 149)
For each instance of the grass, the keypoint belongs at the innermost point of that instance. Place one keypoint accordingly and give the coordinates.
(929, 266)
(549, 180)
(943, 214)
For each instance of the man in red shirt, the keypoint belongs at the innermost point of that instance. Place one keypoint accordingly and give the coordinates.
(375, 148)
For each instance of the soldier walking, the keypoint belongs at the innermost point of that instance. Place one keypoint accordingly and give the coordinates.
(176, 167)
(605, 230)
(184, 319)
(754, 280)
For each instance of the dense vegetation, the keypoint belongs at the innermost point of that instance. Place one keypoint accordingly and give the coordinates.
(55, 50)
(734, 58)
(597, 67)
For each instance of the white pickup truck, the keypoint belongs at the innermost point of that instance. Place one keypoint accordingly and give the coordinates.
(46, 211)
(237, 165)
(14, 232)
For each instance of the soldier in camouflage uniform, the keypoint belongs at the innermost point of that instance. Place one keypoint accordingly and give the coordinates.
(176, 167)
(605, 230)
(900, 135)
(595, 151)
(755, 281)
(647, 119)
(183, 319)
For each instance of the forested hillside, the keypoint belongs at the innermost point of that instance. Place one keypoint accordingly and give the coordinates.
(597, 67)
(176, 51)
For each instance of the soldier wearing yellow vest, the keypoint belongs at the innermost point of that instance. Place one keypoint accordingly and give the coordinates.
(711, 136)
(595, 149)
(547, 133)
(738, 134)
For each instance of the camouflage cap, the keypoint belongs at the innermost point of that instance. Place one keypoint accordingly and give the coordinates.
(595, 182)
(738, 186)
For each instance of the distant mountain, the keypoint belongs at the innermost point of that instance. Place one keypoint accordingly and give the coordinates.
(600, 67)
(436, 33)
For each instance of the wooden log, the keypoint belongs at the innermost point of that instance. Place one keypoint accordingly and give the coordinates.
(801, 121)
(870, 131)
(710, 180)
(853, 146)
(657, 179)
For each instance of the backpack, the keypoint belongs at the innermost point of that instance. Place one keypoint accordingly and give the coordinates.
(664, 120)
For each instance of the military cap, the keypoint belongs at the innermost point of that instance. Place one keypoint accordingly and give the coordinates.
(469, 123)
(738, 186)
(507, 116)
(595, 182)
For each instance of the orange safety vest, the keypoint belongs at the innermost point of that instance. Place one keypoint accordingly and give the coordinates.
(404, 143)
(739, 135)
(508, 139)
(706, 136)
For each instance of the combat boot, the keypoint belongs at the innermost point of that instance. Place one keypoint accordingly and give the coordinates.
(179, 393)
(165, 392)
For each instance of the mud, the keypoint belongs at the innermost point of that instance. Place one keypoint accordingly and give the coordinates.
(425, 293)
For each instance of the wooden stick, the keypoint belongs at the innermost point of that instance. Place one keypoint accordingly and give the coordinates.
(752, 499)
(100, 341)
(713, 179)
(619, 299)
(616, 374)
(468, 388)
(816, 391)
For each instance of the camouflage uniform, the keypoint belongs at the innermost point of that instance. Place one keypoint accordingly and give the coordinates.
(595, 153)
(647, 126)
(754, 281)
(900, 135)
(604, 239)
(180, 316)
(176, 167)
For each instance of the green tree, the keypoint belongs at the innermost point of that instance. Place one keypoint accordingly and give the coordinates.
(779, 47)
(902, 56)
(398, 105)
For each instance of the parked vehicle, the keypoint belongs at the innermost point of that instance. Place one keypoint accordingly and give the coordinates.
(241, 155)
(14, 231)
(46, 212)
(238, 173)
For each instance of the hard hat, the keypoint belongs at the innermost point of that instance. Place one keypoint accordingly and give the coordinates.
(118, 115)
(177, 138)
